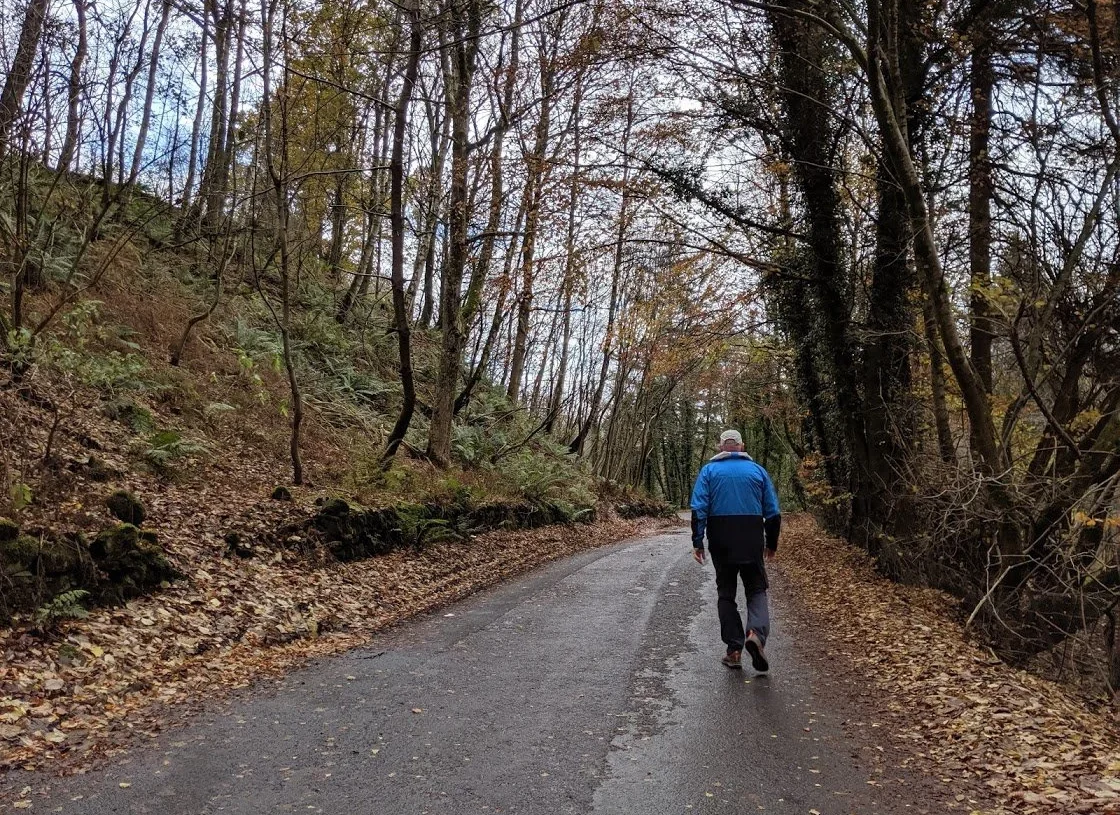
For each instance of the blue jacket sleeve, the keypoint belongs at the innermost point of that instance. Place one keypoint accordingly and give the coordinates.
(769, 497)
(699, 504)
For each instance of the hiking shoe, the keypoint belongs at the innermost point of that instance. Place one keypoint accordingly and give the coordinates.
(733, 659)
(758, 656)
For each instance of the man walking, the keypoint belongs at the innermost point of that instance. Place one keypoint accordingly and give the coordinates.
(735, 503)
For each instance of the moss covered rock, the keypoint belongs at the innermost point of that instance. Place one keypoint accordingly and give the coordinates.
(36, 568)
(126, 507)
(9, 530)
(352, 532)
(65, 556)
(19, 554)
(133, 561)
(97, 470)
(644, 508)
(122, 562)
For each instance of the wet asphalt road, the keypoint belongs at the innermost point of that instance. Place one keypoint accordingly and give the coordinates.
(592, 685)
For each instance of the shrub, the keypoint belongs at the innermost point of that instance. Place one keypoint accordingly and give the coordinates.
(74, 353)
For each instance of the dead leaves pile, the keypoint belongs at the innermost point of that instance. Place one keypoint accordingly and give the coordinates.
(65, 704)
(1034, 743)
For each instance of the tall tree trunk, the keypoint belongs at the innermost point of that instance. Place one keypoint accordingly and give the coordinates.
(371, 246)
(186, 204)
(577, 444)
(210, 201)
(279, 176)
(981, 85)
(895, 146)
(230, 139)
(945, 445)
(988, 452)
(538, 172)
(567, 281)
(496, 318)
(810, 139)
(440, 140)
(339, 220)
(149, 95)
(74, 92)
(48, 110)
(481, 269)
(886, 358)
(396, 221)
(546, 350)
(115, 143)
(466, 23)
(19, 72)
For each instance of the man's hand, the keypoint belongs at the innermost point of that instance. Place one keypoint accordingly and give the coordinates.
(698, 554)
(770, 554)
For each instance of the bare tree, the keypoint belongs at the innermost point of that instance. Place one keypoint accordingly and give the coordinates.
(396, 216)
(19, 72)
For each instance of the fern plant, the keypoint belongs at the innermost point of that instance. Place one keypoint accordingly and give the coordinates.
(65, 606)
(163, 448)
(416, 528)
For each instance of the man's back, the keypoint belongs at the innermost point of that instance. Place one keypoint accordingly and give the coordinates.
(732, 500)
(737, 485)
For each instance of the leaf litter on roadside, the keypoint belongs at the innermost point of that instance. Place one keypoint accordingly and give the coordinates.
(69, 701)
(1037, 745)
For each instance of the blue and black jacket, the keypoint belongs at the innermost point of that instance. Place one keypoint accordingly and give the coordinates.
(734, 502)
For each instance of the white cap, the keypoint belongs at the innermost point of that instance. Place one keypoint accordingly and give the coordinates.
(730, 435)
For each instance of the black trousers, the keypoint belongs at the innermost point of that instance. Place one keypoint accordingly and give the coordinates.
(755, 584)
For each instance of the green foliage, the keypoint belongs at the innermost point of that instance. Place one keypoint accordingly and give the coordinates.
(65, 606)
(75, 353)
(474, 445)
(569, 513)
(450, 491)
(364, 388)
(366, 473)
(20, 347)
(127, 412)
(535, 477)
(255, 344)
(167, 446)
(320, 332)
(417, 527)
(20, 495)
(111, 372)
(543, 478)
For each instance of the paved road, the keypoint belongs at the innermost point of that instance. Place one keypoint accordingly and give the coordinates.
(590, 686)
